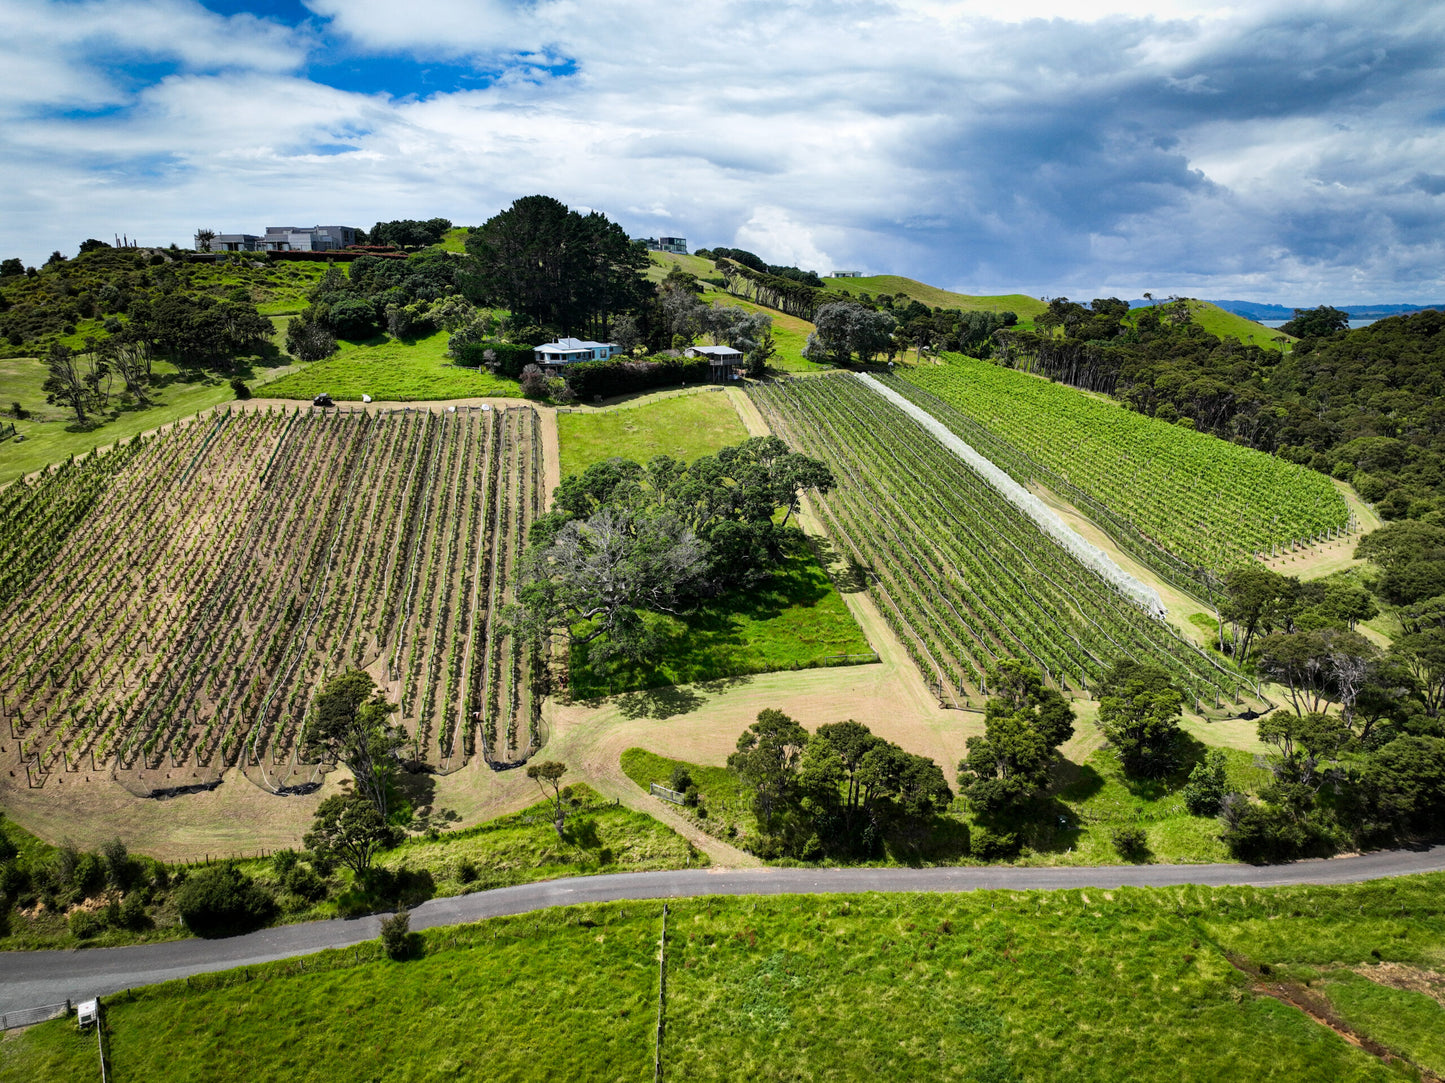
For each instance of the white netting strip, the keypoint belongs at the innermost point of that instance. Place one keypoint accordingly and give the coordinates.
(1091, 556)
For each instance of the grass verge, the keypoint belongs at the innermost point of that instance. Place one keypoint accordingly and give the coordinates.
(993, 985)
(522, 848)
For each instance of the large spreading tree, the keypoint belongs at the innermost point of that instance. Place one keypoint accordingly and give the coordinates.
(559, 268)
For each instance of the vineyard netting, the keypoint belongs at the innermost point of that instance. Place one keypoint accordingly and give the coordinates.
(171, 607)
(963, 576)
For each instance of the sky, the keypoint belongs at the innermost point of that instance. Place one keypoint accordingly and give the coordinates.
(1277, 151)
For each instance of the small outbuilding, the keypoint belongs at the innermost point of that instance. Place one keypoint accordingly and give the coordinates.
(724, 363)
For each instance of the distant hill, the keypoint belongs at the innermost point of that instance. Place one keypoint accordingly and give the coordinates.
(1217, 321)
(1256, 311)
(1021, 304)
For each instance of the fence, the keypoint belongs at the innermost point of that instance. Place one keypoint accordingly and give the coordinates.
(7, 429)
(659, 790)
(28, 1017)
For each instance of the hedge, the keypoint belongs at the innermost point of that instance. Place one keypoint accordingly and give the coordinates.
(620, 376)
(511, 358)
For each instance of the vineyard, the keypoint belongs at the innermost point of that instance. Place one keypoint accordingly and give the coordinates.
(1185, 503)
(176, 602)
(963, 576)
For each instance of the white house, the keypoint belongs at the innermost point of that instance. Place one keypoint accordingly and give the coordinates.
(568, 351)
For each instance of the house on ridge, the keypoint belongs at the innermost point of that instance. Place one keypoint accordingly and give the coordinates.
(723, 362)
(569, 351)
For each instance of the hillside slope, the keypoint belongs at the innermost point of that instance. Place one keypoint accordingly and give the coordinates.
(1224, 324)
(1021, 304)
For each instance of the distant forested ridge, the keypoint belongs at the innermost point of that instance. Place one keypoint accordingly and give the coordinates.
(1365, 406)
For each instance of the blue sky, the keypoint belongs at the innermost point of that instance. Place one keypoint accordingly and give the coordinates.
(1275, 150)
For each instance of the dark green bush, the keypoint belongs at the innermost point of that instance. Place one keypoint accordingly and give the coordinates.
(84, 924)
(989, 845)
(1130, 842)
(510, 358)
(397, 938)
(220, 901)
(238, 386)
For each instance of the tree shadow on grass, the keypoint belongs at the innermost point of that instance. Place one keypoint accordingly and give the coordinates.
(665, 702)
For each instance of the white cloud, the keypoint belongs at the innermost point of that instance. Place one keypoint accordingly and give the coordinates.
(1265, 147)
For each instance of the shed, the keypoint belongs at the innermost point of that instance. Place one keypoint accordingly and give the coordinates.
(723, 362)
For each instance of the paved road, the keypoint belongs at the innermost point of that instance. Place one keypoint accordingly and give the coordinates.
(29, 979)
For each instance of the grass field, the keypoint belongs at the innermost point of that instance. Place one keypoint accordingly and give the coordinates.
(795, 619)
(48, 431)
(1224, 324)
(1074, 985)
(684, 426)
(725, 808)
(392, 370)
(454, 240)
(1022, 305)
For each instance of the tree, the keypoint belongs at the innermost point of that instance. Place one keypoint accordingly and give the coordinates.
(1208, 784)
(1024, 722)
(766, 760)
(1139, 712)
(1402, 786)
(553, 265)
(127, 355)
(549, 773)
(350, 723)
(350, 829)
(846, 329)
(1303, 743)
(1255, 599)
(221, 901)
(307, 340)
(91, 244)
(12, 266)
(67, 383)
(204, 237)
(1423, 655)
(1317, 322)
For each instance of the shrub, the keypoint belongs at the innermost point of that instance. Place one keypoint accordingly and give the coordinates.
(133, 911)
(238, 385)
(396, 936)
(309, 341)
(466, 872)
(989, 845)
(1204, 792)
(84, 924)
(1130, 842)
(620, 376)
(119, 868)
(509, 358)
(1260, 834)
(534, 382)
(220, 901)
(303, 882)
(681, 779)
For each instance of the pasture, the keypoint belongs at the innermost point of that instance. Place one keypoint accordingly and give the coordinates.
(392, 370)
(1187, 983)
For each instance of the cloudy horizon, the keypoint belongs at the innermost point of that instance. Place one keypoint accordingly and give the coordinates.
(1277, 152)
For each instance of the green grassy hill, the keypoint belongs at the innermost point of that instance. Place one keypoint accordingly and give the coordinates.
(1024, 306)
(1224, 324)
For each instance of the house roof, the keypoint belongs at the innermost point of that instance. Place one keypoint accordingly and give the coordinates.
(566, 345)
(717, 352)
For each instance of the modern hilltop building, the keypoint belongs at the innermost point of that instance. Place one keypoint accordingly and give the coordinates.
(285, 239)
